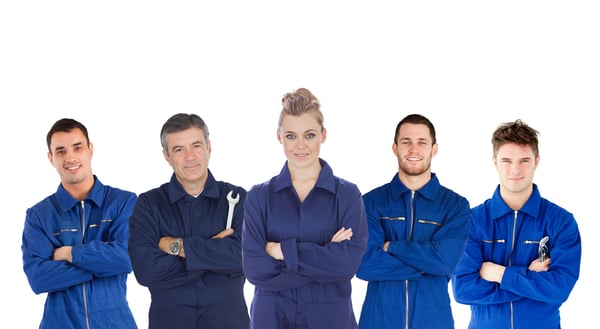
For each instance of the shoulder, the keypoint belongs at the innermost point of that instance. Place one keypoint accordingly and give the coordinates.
(482, 211)
(118, 192)
(155, 193)
(378, 191)
(451, 194)
(260, 190)
(345, 189)
(346, 184)
(226, 187)
(554, 210)
(109, 192)
(42, 205)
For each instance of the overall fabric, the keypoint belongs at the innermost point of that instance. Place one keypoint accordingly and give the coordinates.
(524, 299)
(204, 289)
(311, 288)
(90, 292)
(427, 230)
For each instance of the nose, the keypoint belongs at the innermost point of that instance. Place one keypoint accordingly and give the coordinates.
(188, 153)
(300, 142)
(515, 169)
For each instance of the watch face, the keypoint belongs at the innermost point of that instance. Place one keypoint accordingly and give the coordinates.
(175, 247)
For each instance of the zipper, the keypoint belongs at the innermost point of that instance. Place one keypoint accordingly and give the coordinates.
(424, 221)
(406, 310)
(85, 306)
(410, 233)
(512, 249)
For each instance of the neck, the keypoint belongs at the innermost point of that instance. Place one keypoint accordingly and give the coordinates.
(414, 182)
(303, 174)
(515, 200)
(79, 190)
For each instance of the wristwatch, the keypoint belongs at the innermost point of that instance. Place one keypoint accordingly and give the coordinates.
(175, 247)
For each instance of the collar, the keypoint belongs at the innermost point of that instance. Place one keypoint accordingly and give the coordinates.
(499, 208)
(428, 191)
(66, 201)
(176, 191)
(325, 181)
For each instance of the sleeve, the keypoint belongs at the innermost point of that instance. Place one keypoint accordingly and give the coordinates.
(44, 274)
(440, 255)
(554, 285)
(152, 267)
(218, 255)
(409, 260)
(377, 264)
(261, 269)
(108, 256)
(334, 261)
(467, 286)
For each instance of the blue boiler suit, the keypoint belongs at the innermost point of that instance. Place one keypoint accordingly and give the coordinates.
(427, 229)
(90, 292)
(206, 288)
(524, 298)
(310, 288)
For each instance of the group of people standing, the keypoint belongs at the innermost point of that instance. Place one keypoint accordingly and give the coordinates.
(299, 238)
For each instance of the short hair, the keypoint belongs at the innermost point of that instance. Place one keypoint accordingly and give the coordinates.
(517, 132)
(66, 125)
(416, 119)
(298, 102)
(179, 122)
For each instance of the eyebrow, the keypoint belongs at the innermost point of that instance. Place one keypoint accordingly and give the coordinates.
(306, 131)
(58, 148)
(409, 138)
(509, 158)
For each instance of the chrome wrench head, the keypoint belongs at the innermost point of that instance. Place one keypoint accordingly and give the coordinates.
(231, 199)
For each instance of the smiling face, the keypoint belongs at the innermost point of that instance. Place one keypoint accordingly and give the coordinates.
(516, 165)
(71, 155)
(188, 153)
(414, 149)
(301, 137)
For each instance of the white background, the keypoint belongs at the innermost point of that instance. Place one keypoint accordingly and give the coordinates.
(124, 67)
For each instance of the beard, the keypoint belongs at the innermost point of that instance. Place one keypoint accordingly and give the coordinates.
(412, 170)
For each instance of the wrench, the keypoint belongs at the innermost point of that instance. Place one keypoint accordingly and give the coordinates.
(232, 202)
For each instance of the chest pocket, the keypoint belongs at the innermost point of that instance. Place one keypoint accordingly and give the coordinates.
(529, 247)
(68, 236)
(394, 227)
(496, 250)
(99, 230)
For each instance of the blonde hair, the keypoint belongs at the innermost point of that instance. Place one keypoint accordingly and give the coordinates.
(298, 102)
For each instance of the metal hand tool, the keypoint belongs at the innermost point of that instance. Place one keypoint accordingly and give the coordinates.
(232, 202)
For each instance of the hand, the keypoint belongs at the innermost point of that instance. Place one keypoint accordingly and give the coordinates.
(63, 253)
(165, 242)
(224, 233)
(342, 234)
(538, 266)
(491, 272)
(273, 249)
(386, 245)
